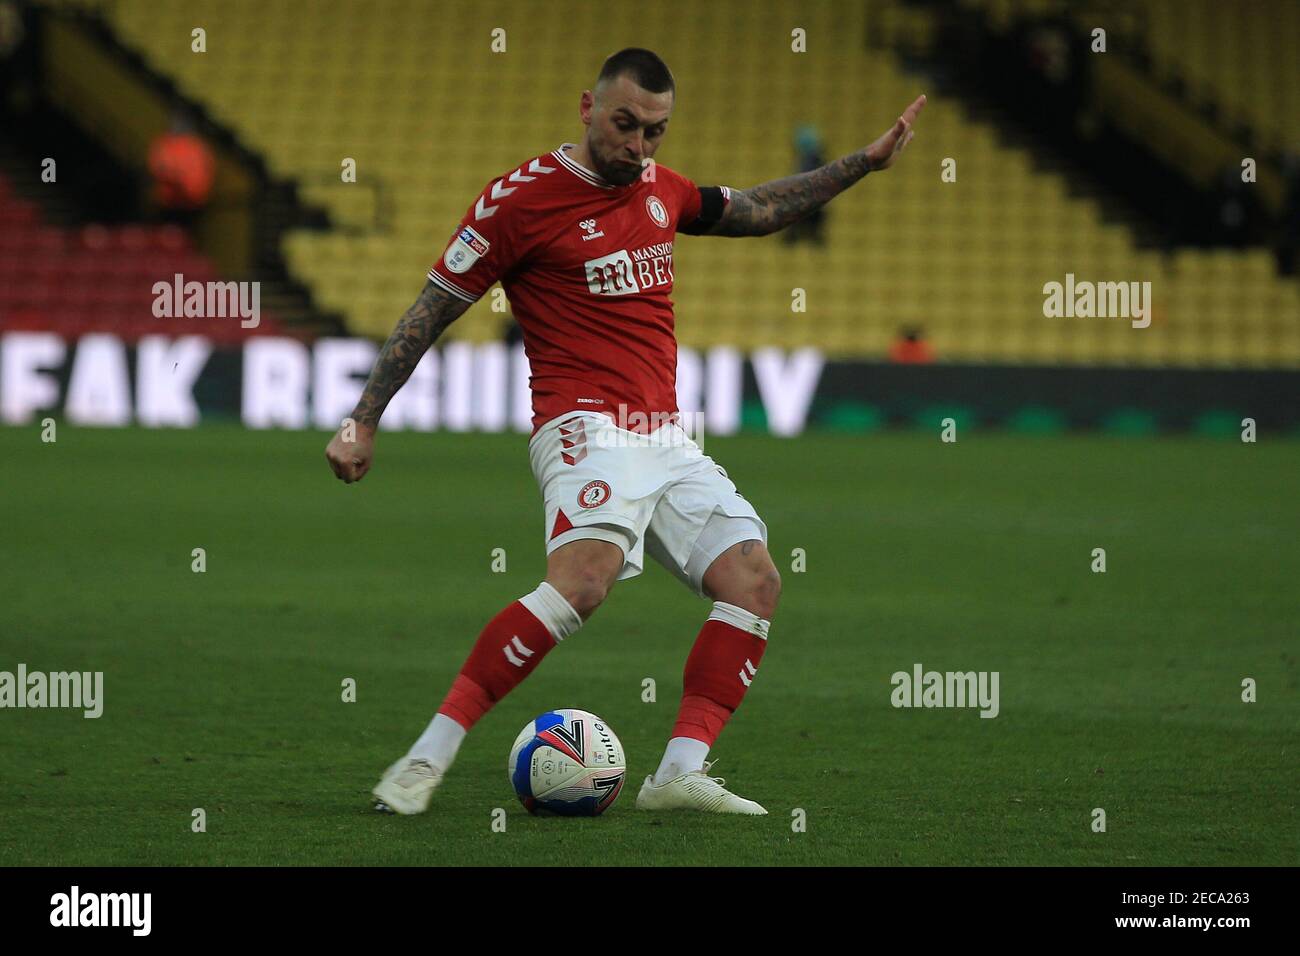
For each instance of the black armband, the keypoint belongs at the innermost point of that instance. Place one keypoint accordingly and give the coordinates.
(712, 203)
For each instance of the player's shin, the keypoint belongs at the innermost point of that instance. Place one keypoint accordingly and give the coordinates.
(509, 648)
(719, 670)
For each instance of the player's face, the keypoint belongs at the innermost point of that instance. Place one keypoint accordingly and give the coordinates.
(625, 125)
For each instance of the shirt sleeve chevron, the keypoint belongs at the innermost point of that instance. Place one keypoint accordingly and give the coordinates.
(487, 242)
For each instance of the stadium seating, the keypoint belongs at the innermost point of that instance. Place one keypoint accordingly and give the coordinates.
(99, 278)
(417, 97)
(1237, 56)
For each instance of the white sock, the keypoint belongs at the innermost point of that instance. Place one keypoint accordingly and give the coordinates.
(683, 755)
(549, 606)
(442, 738)
(439, 742)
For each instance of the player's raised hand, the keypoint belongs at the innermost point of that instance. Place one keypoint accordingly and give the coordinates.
(885, 150)
(351, 459)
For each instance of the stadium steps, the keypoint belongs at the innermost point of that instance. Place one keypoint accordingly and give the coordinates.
(111, 196)
(100, 278)
(24, 183)
(1079, 181)
(429, 112)
(88, 184)
(280, 207)
(1230, 62)
(1082, 184)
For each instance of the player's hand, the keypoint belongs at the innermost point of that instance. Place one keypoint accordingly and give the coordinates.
(351, 459)
(885, 150)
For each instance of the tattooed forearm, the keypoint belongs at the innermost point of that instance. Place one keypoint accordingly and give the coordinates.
(423, 322)
(766, 208)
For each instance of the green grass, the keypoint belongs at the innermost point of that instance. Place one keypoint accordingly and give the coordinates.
(1118, 690)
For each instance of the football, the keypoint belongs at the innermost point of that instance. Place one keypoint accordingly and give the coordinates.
(568, 763)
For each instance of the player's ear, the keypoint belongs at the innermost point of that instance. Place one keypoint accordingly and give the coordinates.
(586, 105)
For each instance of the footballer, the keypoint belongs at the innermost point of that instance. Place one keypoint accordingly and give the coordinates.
(581, 240)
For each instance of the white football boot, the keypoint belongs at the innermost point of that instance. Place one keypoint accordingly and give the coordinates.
(407, 786)
(695, 791)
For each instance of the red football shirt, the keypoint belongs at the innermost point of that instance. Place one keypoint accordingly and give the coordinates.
(588, 269)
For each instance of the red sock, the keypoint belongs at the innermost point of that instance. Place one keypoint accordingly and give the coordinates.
(719, 670)
(509, 648)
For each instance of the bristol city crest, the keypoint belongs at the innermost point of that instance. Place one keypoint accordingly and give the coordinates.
(657, 212)
(593, 494)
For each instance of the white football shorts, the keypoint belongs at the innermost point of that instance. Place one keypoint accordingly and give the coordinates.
(657, 494)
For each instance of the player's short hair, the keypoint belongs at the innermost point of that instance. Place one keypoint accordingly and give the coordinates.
(643, 67)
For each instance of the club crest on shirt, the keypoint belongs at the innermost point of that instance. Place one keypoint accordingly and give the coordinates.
(593, 494)
(657, 211)
(465, 250)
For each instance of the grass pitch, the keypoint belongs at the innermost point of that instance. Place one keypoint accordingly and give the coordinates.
(1119, 690)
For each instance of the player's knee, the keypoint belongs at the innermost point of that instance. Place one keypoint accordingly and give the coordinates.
(585, 590)
(758, 592)
(583, 572)
(766, 592)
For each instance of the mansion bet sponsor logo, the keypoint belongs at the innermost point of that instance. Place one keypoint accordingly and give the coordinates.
(624, 273)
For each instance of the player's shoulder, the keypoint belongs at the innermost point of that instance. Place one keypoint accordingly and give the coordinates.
(518, 187)
(672, 175)
(685, 188)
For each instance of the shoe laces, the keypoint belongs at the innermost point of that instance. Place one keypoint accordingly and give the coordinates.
(708, 765)
(421, 767)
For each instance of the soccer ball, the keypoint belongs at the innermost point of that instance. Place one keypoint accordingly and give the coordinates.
(567, 762)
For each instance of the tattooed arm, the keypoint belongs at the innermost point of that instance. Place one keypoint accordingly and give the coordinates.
(770, 207)
(423, 322)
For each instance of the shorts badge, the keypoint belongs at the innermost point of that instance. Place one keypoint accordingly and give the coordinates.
(593, 494)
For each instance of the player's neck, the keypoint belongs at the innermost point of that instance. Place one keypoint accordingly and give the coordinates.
(580, 155)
